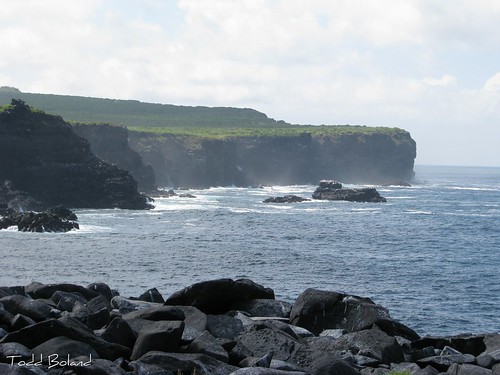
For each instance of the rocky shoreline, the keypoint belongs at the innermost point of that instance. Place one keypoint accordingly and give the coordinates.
(221, 327)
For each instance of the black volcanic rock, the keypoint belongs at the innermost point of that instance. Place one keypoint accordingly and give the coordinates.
(46, 164)
(286, 199)
(217, 296)
(57, 219)
(333, 191)
(181, 339)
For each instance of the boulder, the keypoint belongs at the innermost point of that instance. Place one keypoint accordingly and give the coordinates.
(126, 305)
(266, 371)
(317, 310)
(443, 362)
(491, 342)
(217, 296)
(224, 326)
(20, 321)
(15, 370)
(101, 366)
(260, 342)
(37, 290)
(151, 295)
(10, 349)
(265, 307)
(36, 310)
(162, 336)
(467, 369)
(372, 343)
(413, 369)
(94, 319)
(155, 362)
(40, 332)
(276, 325)
(156, 313)
(317, 353)
(63, 347)
(119, 332)
(264, 361)
(66, 301)
(195, 322)
(486, 360)
(464, 343)
(102, 289)
(207, 344)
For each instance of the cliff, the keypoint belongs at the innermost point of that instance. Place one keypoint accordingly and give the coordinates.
(375, 156)
(44, 163)
(110, 143)
(203, 147)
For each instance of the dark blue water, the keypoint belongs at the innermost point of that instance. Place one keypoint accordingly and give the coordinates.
(430, 254)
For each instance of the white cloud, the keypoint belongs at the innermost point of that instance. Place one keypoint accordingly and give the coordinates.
(493, 84)
(422, 65)
(446, 80)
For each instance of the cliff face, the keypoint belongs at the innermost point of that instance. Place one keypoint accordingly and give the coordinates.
(44, 163)
(281, 160)
(110, 143)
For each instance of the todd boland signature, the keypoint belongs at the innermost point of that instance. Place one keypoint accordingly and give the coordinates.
(51, 360)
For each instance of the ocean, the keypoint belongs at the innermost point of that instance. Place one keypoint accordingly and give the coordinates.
(431, 254)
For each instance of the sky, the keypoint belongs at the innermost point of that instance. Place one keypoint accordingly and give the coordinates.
(431, 67)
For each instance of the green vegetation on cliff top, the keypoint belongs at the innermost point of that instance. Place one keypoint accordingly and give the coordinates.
(290, 131)
(164, 119)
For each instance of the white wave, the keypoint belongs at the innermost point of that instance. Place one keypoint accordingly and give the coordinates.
(402, 197)
(86, 228)
(365, 209)
(471, 188)
(241, 210)
(419, 212)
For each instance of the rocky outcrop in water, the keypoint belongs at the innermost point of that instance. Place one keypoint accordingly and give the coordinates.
(56, 219)
(44, 164)
(333, 191)
(289, 198)
(364, 158)
(221, 327)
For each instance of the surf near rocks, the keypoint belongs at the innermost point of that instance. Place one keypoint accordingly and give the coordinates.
(223, 326)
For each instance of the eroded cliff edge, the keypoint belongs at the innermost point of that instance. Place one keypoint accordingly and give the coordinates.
(110, 143)
(44, 163)
(374, 157)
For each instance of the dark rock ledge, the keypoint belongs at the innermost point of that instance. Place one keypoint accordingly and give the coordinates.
(221, 327)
